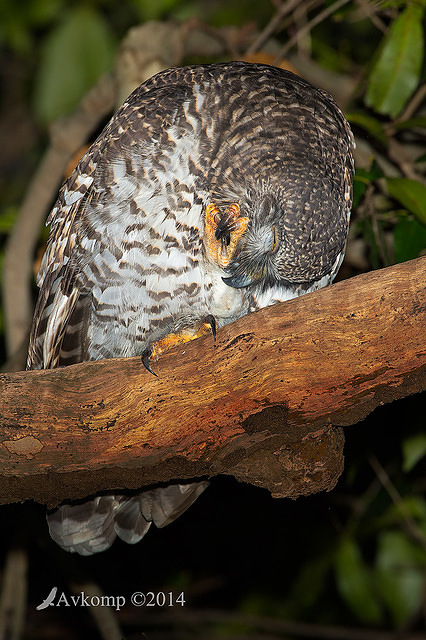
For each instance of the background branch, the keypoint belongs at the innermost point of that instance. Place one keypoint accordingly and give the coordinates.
(67, 135)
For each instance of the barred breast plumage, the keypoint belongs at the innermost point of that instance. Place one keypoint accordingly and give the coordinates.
(213, 191)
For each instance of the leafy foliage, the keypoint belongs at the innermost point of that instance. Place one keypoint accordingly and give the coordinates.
(73, 56)
(396, 72)
(411, 194)
(354, 581)
(400, 568)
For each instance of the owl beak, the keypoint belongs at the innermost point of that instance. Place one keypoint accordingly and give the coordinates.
(251, 264)
(240, 280)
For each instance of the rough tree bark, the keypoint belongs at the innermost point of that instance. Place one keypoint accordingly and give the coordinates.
(264, 403)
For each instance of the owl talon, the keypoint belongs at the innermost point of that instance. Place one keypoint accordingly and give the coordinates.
(212, 322)
(145, 361)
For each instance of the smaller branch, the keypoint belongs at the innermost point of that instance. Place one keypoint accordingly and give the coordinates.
(368, 9)
(398, 155)
(320, 17)
(272, 26)
(411, 525)
(203, 40)
(104, 617)
(201, 618)
(415, 102)
(300, 17)
(13, 595)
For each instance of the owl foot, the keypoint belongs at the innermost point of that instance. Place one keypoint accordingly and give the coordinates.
(154, 351)
(223, 231)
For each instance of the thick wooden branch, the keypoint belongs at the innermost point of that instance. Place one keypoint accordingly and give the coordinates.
(262, 403)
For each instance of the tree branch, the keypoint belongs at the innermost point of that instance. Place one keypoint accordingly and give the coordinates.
(262, 403)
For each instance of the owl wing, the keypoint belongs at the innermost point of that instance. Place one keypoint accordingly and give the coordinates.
(60, 300)
(138, 128)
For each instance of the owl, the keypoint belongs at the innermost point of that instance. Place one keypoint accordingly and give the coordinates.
(215, 190)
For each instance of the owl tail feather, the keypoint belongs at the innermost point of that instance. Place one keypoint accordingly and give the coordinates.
(92, 527)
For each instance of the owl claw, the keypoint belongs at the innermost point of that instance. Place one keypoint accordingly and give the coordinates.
(212, 322)
(145, 361)
(173, 339)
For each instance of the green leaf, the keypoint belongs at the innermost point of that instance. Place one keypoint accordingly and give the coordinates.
(370, 124)
(396, 72)
(308, 585)
(149, 10)
(362, 178)
(75, 55)
(354, 582)
(359, 188)
(409, 240)
(8, 219)
(413, 450)
(395, 513)
(400, 575)
(371, 174)
(411, 194)
(412, 123)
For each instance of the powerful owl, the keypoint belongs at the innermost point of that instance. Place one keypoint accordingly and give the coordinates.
(214, 190)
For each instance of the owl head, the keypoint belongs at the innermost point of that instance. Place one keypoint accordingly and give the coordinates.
(292, 237)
